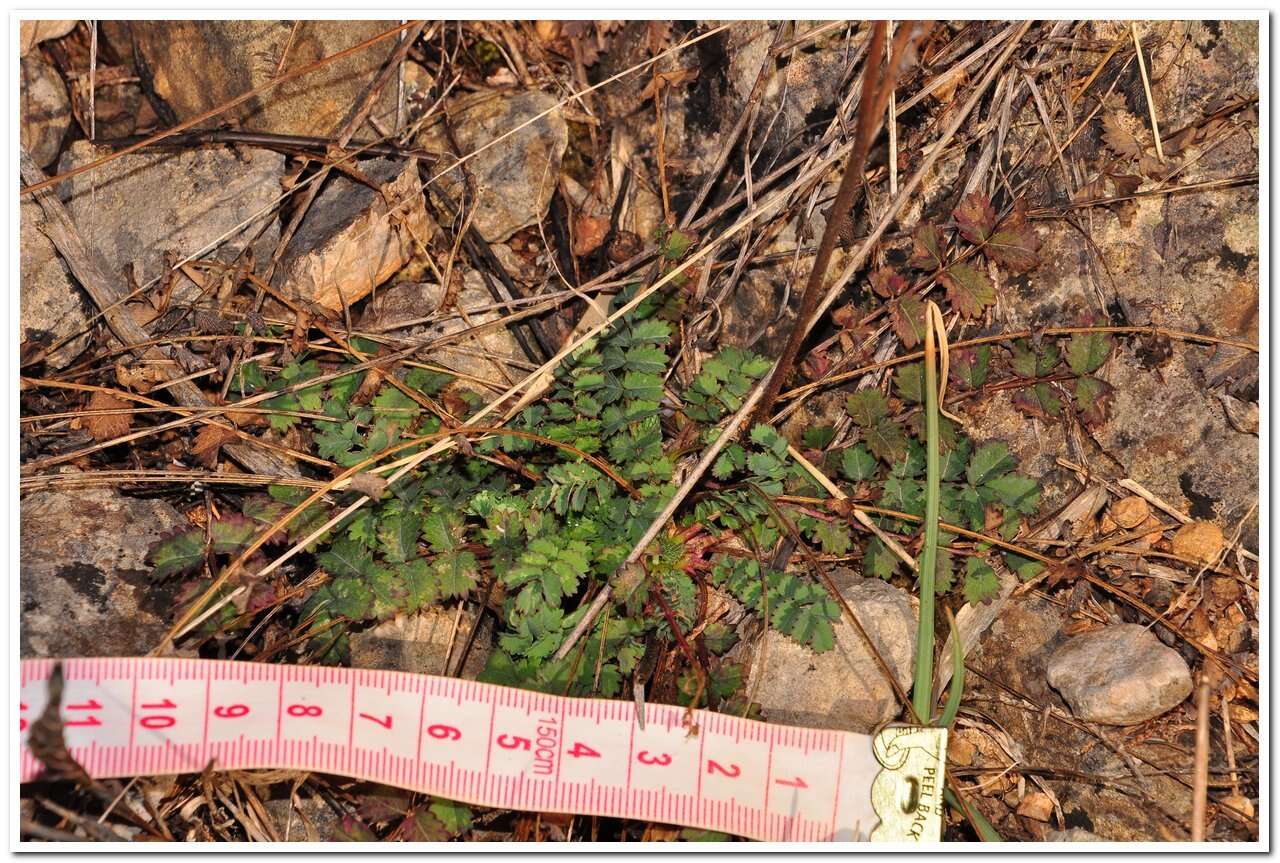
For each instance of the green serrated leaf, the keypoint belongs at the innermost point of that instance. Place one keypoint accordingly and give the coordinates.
(819, 437)
(1086, 352)
(969, 366)
(834, 538)
(886, 440)
(858, 464)
(1022, 493)
(867, 407)
(989, 461)
(908, 380)
(456, 817)
(969, 290)
(980, 581)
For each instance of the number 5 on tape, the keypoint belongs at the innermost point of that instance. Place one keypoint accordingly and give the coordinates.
(494, 746)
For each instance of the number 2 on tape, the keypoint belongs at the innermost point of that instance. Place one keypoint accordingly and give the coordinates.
(493, 746)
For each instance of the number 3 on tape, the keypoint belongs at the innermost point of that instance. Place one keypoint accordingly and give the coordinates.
(494, 746)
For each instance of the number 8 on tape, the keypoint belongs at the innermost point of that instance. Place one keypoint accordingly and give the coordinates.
(494, 746)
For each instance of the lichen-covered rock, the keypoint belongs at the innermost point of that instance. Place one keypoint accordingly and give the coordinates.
(84, 582)
(198, 65)
(52, 304)
(138, 207)
(516, 177)
(354, 238)
(844, 687)
(1120, 675)
(45, 109)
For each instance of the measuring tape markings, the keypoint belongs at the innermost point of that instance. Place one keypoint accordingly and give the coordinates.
(478, 743)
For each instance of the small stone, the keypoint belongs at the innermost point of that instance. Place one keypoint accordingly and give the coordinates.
(53, 306)
(1037, 806)
(138, 207)
(85, 584)
(45, 109)
(355, 238)
(420, 642)
(1119, 675)
(516, 177)
(844, 687)
(1129, 512)
(1201, 541)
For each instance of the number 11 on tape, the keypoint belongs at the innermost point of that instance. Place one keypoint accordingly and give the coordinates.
(494, 746)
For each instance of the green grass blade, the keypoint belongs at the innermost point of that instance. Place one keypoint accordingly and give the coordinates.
(957, 676)
(985, 831)
(922, 688)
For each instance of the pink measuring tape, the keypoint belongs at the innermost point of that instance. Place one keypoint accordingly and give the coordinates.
(494, 746)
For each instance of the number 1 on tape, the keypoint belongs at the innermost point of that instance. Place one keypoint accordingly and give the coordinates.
(494, 746)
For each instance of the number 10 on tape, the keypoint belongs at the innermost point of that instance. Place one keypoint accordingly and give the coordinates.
(494, 746)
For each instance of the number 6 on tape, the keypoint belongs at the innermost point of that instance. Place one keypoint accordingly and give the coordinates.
(494, 746)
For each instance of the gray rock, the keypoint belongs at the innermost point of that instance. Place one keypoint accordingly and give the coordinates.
(1120, 675)
(515, 178)
(138, 207)
(53, 306)
(198, 65)
(844, 687)
(354, 238)
(46, 109)
(420, 642)
(84, 581)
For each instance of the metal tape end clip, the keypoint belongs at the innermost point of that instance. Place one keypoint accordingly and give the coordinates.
(907, 792)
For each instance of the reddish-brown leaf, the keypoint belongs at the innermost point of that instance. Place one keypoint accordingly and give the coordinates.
(975, 217)
(968, 289)
(887, 282)
(907, 314)
(1015, 245)
(926, 249)
(208, 442)
(107, 426)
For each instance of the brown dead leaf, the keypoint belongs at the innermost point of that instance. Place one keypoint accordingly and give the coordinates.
(1065, 573)
(208, 442)
(104, 427)
(1116, 135)
(1037, 806)
(669, 80)
(589, 233)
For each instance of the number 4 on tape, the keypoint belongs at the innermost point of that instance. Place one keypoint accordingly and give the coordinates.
(494, 746)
